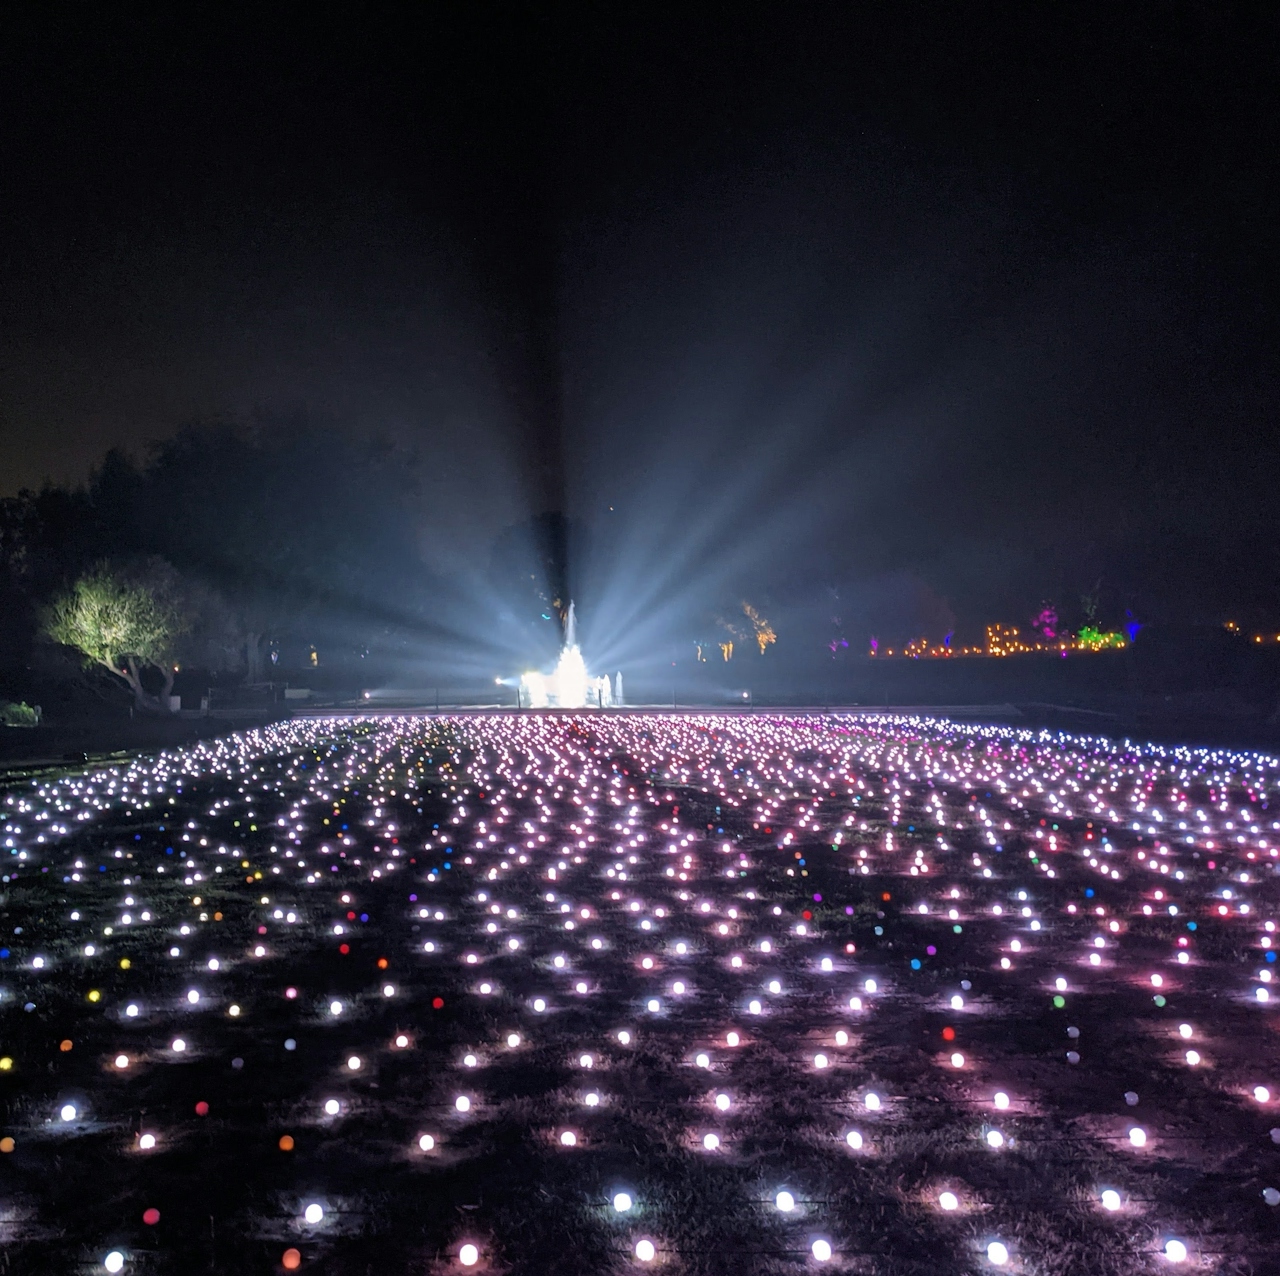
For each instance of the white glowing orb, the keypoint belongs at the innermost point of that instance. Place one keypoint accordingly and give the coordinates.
(645, 1251)
(997, 1254)
(621, 1202)
(1175, 1251)
(785, 1202)
(949, 1201)
(821, 1250)
(468, 1256)
(426, 1143)
(114, 1261)
(313, 1213)
(853, 1139)
(1110, 1199)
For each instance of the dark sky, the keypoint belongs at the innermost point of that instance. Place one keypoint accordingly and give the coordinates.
(973, 304)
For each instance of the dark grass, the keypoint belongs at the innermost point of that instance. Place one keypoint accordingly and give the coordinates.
(230, 1199)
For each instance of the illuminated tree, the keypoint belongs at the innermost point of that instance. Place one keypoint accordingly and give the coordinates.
(123, 624)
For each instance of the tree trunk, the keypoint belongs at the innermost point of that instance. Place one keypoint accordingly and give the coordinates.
(142, 698)
(253, 656)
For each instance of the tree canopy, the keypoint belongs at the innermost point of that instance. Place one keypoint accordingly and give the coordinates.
(121, 624)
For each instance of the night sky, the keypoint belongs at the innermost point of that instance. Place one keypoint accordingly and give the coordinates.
(955, 307)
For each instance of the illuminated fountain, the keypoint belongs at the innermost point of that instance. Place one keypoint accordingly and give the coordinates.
(569, 685)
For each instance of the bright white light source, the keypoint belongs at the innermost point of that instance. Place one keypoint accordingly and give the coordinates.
(957, 1002)
(332, 1107)
(949, 1201)
(568, 1139)
(1184, 1031)
(178, 1045)
(785, 1202)
(722, 1102)
(1001, 1100)
(468, 1255)
(122, 1061)
(1262, 1094)
(645, 1251)
(1111, 1199)
(1138, 1137)
(821, 1250)
(853, 1139)
(586, 1061)
(702, 1060)
(995, 1139)
(819, 1061)
(462, 1103)
(997, 1254)
(146, 1142)
(1175, 1251)
(313, 1213)
(624, 1038)
(653, 1005)
(872, 1100)
(402, 1041)
(513, 1039)
(114, 1261)
(426, 1143)
(1193, 1057)
(68, 1112)
(621, 1202)
(711, 1142)
(353, 1063)
(957, 1060)
(870, 986)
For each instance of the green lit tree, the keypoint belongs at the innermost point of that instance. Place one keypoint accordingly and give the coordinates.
(125, 624)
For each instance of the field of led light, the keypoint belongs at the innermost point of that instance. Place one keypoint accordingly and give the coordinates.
(614, 993)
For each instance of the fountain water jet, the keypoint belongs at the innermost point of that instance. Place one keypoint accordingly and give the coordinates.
(568, 685)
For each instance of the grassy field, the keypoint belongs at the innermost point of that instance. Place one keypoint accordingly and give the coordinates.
(874, 995)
